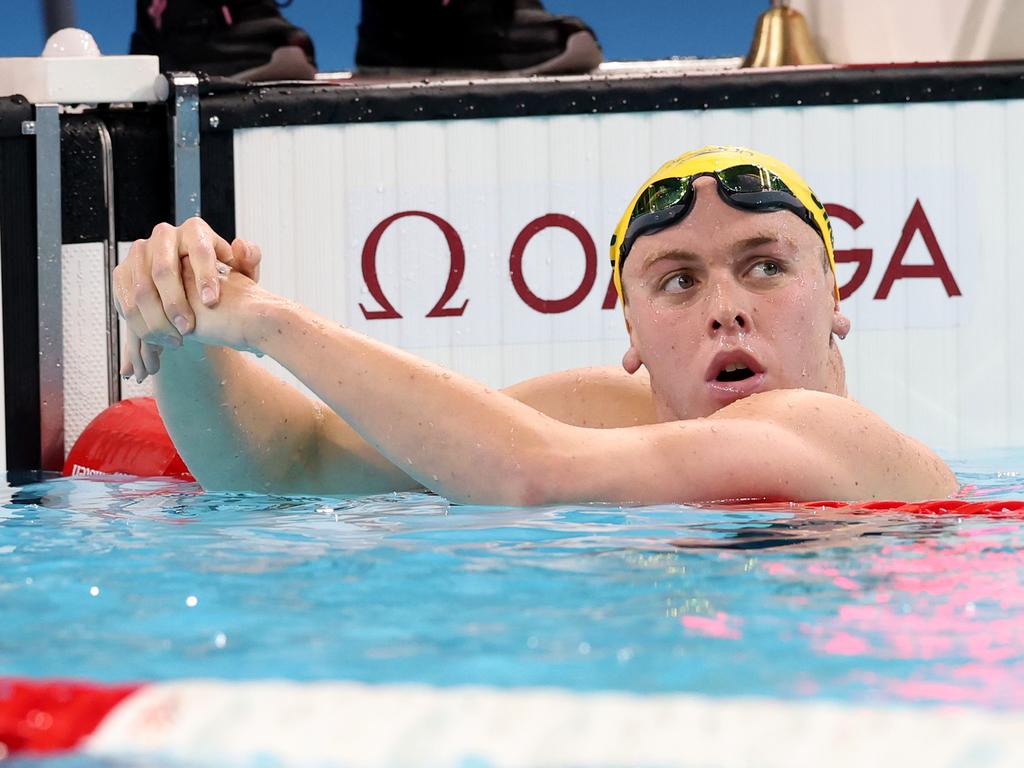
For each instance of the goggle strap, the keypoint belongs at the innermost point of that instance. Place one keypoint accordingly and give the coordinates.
(655, 221)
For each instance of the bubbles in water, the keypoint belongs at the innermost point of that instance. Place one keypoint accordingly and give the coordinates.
(94, 591)
(220, 640)
(191, 601)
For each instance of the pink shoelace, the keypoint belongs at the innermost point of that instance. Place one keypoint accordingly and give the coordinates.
(157, 8)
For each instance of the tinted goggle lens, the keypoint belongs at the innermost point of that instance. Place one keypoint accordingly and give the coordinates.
(751, 178)
(738, 179)
(661, 195)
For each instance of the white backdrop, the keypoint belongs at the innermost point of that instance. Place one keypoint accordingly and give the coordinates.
(878, 31)
(940, 176)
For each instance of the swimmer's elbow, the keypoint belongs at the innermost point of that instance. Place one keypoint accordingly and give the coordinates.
(522, 478)
(549, 475)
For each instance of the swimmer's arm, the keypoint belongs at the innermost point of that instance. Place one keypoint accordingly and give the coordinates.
(339, 460)
(239, 427)
(475, 444)
(792, 445)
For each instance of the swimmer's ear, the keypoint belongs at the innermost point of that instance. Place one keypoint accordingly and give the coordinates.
(840, 323)
(631, 360)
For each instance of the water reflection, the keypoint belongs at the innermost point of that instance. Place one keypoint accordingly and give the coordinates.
(760, 600)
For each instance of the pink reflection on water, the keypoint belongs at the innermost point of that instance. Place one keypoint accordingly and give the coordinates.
(845, 644)
(956, 602)
(721, 625)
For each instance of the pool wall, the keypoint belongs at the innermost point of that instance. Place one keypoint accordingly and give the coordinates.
(468, 220)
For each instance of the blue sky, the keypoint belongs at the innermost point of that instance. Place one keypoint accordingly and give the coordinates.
(663, 27)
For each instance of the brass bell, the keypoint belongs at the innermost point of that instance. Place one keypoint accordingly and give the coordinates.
(782, 39)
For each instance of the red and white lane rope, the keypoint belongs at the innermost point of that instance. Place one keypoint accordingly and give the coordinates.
(204, 722)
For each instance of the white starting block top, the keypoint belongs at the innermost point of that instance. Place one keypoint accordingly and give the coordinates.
(72, 71)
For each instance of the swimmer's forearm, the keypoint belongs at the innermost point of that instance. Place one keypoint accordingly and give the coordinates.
(454, 435)
(213, 402)
(239, 427)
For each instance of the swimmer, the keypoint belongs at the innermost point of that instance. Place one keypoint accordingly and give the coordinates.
(732, 386)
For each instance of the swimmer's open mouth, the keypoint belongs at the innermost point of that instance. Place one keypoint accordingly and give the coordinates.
(734, 373)
(731, 366)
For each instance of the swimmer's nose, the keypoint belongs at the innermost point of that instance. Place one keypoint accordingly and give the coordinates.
(726, 311)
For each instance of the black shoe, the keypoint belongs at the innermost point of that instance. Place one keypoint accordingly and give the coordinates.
(244, 39)
(514, 37)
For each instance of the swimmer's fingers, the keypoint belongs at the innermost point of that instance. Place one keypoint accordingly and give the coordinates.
(121, 285)
(165, 270)
(150, 358)
(247, 258)
(133, 288)
(149, 323)
(131, 359)
(139, 358)
(205, 248)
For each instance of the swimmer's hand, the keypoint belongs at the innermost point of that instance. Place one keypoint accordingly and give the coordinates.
(149, 291)
(238, 316)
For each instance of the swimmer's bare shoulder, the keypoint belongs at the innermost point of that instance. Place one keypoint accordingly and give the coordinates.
(868, 456)
(602, 397)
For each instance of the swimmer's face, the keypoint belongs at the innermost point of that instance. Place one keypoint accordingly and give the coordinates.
(726, 288)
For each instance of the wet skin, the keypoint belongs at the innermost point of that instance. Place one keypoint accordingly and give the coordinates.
(722, 290)
(724, 287)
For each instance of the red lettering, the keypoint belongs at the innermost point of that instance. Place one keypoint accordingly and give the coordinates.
(456, 269)
(532, 300)
(859, 256)
(897, 270)
(611, 296)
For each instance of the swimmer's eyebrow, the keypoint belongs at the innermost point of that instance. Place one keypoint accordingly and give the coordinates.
(755, 241)
(683, 256)
(670, 254)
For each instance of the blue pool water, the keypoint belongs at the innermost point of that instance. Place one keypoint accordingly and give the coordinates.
(142, 580)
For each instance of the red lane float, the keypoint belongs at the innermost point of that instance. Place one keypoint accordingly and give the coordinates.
(958, 507)
(128, 438)
(220, 722)
(52, 716)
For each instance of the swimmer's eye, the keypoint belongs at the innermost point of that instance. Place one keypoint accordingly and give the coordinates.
(677, 283)
(769, 268)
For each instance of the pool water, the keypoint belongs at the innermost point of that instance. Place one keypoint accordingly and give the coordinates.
(152, 580)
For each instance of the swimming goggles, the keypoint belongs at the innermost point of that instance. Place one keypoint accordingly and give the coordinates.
(747, 187)
(746, 179)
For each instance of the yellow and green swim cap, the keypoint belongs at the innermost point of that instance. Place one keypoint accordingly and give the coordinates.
(746, 179)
